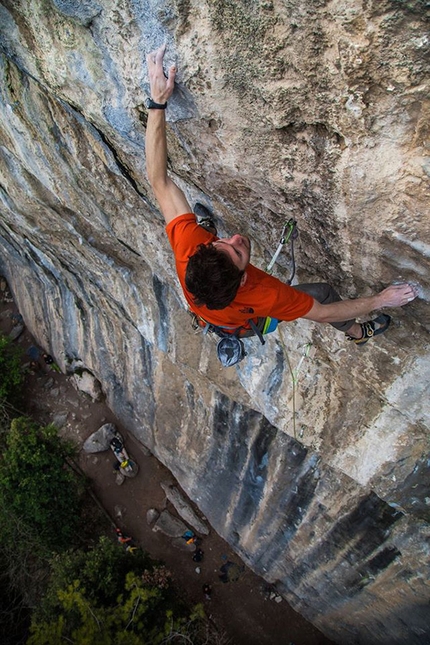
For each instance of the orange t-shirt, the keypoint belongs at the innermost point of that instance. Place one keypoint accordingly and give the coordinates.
(261, 295)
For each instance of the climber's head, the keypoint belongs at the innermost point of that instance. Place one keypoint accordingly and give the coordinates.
(217, 270)
(238, 248)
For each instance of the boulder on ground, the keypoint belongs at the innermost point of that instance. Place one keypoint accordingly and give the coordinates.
(16, 331)
(182, 545)
(101, 438)
(87, 383)
(170, 525)
(152, 516)
(59, 419)
(184, 508)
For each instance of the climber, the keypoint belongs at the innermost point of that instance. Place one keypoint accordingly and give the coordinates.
(220, 285)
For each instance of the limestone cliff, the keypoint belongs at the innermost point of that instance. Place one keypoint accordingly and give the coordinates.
(313, 109)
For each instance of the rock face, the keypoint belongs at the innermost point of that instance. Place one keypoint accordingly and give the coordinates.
(310, 458)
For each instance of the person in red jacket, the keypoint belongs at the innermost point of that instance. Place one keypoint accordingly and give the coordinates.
(220, 284)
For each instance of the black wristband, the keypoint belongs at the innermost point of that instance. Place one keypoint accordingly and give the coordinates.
(152, 105)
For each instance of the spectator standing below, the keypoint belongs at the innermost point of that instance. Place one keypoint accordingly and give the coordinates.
(220, 285)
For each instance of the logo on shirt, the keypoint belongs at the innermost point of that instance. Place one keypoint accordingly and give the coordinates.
(246, 310)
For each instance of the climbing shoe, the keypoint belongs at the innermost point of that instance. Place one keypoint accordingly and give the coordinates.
(204, 218)
(372, 328)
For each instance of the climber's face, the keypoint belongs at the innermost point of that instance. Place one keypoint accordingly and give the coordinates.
(237, 247)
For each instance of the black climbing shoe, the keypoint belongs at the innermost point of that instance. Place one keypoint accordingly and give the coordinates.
(372, 328)
(204, 218)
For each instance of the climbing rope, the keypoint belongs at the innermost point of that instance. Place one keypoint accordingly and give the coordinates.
(290, 234)
(295, 375)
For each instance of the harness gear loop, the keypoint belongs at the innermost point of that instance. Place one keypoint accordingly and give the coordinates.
(256, 331)
(262, 326)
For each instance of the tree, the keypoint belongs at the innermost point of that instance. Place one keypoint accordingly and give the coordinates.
(10, 368)
(100, 597)
(39, 514)
(14, 615)
(11, 379)
(37, 487)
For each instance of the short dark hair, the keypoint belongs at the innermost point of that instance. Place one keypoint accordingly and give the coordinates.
(212, 277)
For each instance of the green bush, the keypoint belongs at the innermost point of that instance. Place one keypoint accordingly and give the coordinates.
(11, 379)
(101, 570)
(11, 376)
(100, 597)
(14, 615)
(37, 487)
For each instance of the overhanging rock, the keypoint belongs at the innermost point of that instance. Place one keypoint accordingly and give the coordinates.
(306, 109)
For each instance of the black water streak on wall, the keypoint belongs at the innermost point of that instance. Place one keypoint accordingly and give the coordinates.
(275, 378)
(351, 541)
(254, 479)
(232, 427)
(161, 291)
(378, 563)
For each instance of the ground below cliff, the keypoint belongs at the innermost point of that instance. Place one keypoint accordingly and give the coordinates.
(243, 609)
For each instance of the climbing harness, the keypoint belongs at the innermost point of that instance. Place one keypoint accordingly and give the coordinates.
(289, 234)
(230, 348)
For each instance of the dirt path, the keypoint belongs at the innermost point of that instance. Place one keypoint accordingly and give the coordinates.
(241, 609)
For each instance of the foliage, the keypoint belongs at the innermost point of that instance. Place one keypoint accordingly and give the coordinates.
(99, 597)
(101, 570)
(14, 616)
(11, 376)
(35, 491)
(11, 380)
(35, 485)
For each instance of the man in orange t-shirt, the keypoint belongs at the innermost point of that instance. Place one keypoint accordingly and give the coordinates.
(219, 282)
(260, 296)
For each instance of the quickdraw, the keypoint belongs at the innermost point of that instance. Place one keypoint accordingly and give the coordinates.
(289, 234)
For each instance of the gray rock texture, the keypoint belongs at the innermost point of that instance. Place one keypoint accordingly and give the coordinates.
(311, 457)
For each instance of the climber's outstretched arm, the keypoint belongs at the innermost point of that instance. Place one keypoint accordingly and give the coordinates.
(393, 296)
(170, 198)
